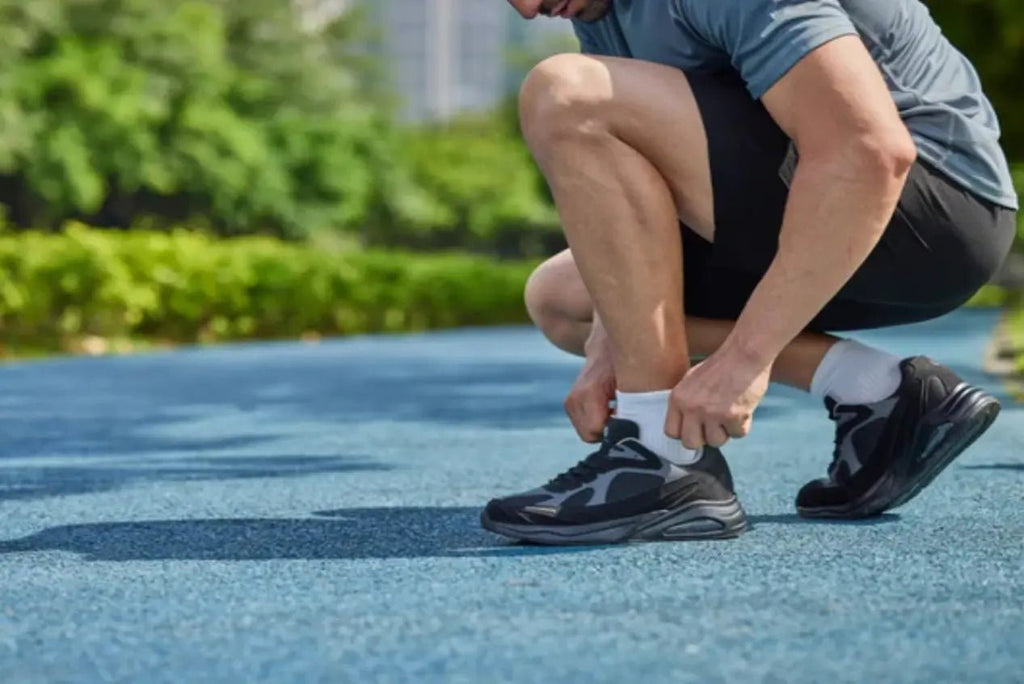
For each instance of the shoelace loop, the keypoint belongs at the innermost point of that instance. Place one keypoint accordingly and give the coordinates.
(587, 469)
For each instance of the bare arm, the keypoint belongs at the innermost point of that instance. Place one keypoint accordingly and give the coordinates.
(855, 154)
(587, 403)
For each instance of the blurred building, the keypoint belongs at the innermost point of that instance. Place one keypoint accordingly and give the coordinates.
(450, 56)
(446, 55)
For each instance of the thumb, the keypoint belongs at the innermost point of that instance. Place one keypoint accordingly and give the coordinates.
(595, 413)
(673, 422)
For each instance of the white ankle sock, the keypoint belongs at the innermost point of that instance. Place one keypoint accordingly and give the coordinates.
(648, 411)
(854, 373)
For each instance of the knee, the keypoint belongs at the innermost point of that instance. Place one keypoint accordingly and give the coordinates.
(541, 296)
(561, 97)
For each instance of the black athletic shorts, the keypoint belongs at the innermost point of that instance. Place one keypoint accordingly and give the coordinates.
(941, 246)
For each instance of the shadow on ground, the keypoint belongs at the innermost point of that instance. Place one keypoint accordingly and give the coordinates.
(208, 414)
(356, 533)
(1019, 467)
(794, 519)
(345, 534)
(33, 482)
(230, 413)
(144, 405)
(136, 407)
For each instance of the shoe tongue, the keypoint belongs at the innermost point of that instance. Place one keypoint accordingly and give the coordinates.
(618, 429)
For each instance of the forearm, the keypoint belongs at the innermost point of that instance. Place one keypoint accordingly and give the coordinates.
(838, 210)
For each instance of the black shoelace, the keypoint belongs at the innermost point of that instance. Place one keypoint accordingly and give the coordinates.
(586, 470)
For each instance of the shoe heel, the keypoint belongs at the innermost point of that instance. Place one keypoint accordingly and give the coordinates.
(964, 401)
(946, 432)
(965, 415)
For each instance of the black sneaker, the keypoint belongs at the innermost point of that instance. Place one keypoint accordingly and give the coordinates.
(889, 451)
(624, 492)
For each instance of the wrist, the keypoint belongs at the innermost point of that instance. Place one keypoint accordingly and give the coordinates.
(750, 352)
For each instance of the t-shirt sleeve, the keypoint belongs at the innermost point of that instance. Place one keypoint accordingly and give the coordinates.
(766, 38)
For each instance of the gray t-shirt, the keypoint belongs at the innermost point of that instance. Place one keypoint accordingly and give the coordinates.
(937, 91)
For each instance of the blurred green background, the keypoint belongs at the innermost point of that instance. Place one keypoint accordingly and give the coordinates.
(200, 170)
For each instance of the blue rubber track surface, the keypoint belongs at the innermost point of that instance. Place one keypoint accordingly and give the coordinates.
(309, 513)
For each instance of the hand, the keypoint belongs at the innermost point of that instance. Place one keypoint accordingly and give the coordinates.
(716, 399)
(587, 402)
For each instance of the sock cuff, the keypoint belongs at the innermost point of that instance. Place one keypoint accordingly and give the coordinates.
(642, 400)
(855, 373)
(823, 375)
(647, 410)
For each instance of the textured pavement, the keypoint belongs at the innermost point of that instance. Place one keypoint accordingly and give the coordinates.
(308, 513)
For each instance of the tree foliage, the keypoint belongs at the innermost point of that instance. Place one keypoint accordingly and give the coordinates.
(991, 33)
(231, 116)
(229, 111)
(471, 184)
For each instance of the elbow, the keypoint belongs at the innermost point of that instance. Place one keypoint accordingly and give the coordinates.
(881, 156)
(894, 154)
(884, 155)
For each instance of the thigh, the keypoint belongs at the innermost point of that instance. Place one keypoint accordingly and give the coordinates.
(942, 244)
(650, 107)
(750, 162)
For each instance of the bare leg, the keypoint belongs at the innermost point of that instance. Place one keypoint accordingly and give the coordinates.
(560, 306)
(597, 129)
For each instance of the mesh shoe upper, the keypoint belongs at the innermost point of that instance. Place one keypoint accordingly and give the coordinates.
(858, 431)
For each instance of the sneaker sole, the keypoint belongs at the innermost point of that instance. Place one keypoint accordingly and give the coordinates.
(694, 521)
(945, 433)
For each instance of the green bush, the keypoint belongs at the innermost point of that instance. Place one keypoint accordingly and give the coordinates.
(182, 286)
(991, 33)
(1018, 175)
(479, 189)
(227, 111)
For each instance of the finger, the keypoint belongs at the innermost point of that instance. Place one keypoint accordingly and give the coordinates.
(738, 428)
(588, 417)
(573, 410)
(597, 415)
(586, 431)
(673, 422)
(715, 434)
(584, 427)
(692, 434)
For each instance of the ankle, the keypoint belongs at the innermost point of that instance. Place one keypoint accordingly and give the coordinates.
(639, 376)
(648, 411)
(854, 373)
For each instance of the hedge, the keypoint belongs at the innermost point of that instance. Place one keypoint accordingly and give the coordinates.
(56, 289)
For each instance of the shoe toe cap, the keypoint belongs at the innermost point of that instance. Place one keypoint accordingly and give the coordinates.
(507, 509)
(497, 511)
(821, 493)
